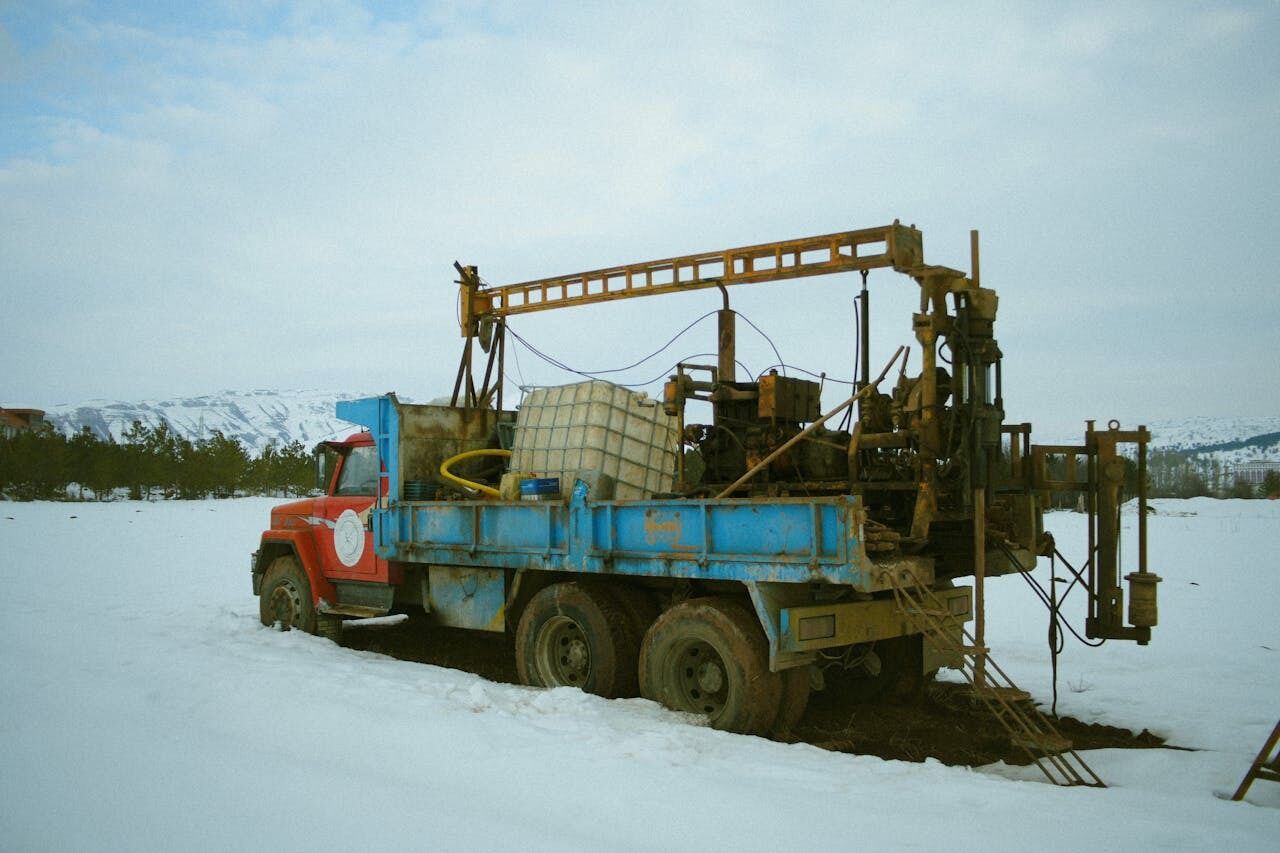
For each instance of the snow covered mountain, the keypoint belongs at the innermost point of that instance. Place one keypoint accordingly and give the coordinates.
(1228, 440)
(258, 417)
(255, 418)
(1202, 433)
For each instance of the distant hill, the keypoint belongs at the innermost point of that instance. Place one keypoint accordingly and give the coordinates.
(259, 417)
(255, 418)
(1228, 440)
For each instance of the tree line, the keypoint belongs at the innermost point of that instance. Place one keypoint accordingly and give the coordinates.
(1170, 474)
(1177, 474)
(148, 462)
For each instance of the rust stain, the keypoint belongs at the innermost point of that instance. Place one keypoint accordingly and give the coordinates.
(664, 532)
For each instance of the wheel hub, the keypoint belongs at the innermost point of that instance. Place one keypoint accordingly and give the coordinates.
(286, 605)
(702, 679)
(575, 657)
(710, 676)
(562, 654)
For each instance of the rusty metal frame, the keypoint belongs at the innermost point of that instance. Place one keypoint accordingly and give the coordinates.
(1102, 483)
(898, 246)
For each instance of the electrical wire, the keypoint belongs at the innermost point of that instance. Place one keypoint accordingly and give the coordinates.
(515, 354)
(777, 354)
(1053, 604)
(556, 363)
(821, 376)
(594, 373)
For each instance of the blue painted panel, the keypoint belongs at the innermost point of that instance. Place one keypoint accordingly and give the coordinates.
(791, 540)
(774, 530)
(468, 597)
(381, 418)
(531, 526)
(658, 528)
(443, 524)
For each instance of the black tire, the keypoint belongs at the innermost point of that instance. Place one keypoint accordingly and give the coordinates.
(794, 702)
(285, 599)
(575, 635)
(709, 656)
(641, 607)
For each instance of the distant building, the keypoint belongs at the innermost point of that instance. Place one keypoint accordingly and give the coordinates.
(13, 421)
(1255, 472)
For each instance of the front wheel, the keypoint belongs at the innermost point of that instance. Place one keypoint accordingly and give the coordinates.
(709, 656)
(285, 599)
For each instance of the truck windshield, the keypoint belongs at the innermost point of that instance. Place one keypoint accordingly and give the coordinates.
(359, 472)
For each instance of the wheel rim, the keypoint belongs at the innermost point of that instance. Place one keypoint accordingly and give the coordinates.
(286, 604)
(700, 678)
(562, 654)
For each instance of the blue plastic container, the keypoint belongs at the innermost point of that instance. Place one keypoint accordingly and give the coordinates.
(540, 489)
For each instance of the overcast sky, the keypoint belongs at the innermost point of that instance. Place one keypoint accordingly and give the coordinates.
(271, 195)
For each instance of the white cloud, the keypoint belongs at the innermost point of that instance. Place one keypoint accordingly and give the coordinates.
(269, 203)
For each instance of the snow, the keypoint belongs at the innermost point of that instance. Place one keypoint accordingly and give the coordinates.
(145, 708)
(262, 416)
(1192, 434)
(255, 418)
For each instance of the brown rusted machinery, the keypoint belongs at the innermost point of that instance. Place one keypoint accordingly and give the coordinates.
(938, 472)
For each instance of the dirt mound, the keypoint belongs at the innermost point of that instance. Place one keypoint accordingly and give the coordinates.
(938, 721)
(942, 722)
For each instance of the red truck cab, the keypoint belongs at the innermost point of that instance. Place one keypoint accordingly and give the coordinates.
(317, 545)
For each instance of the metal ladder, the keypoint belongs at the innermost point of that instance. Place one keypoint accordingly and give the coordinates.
(1027, 728)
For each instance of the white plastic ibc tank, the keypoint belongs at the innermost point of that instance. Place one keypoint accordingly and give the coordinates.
(596, 425)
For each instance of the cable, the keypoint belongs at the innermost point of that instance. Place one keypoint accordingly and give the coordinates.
(781, 363)
(1054, 605)
(594, 373)
(673, 367)
(1044, 597)
(806, 372)
(562, 366)
(515, 354)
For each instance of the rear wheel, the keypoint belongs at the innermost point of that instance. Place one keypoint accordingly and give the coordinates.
(794, 702)
(285, 599)
(709, 656)
(641, 607)
(574, 635)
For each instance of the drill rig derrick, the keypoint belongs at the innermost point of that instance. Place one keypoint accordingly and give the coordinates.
(937, 471)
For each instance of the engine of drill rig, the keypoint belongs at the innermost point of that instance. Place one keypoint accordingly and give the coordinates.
(750, 421)
(915, 452)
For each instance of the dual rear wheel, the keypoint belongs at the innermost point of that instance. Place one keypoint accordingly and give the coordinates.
(705, 656)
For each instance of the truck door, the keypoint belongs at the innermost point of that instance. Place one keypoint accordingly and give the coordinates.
(344, 537)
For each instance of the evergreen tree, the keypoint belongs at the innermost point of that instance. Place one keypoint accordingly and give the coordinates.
(227, 464)
(1242, 489)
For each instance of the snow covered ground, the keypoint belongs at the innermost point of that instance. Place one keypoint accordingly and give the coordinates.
(144, 708)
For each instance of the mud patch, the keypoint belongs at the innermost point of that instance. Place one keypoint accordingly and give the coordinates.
(939, 721)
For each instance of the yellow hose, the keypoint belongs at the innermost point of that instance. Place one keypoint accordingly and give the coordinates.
(488, 491)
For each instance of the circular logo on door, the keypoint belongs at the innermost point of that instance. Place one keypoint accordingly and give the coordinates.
(348, 538)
